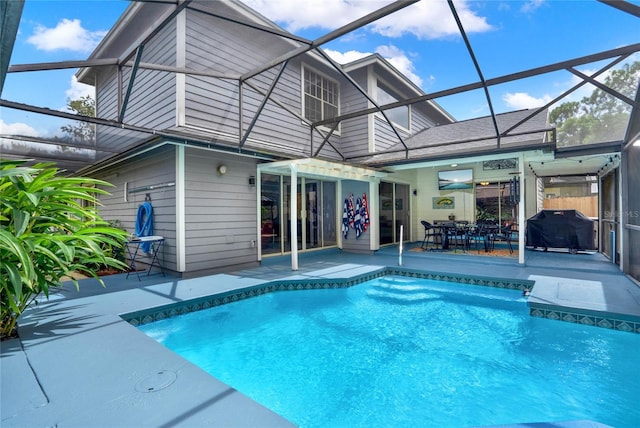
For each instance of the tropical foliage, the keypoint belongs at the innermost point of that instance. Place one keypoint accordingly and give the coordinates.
(49, 228)
(600, 117)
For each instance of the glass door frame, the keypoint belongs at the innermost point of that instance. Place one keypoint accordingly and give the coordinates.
(303, 221)
(399, 204)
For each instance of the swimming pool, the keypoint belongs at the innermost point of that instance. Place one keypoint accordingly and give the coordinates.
(398, 351)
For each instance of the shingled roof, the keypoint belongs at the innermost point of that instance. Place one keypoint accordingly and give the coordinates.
(472, 137)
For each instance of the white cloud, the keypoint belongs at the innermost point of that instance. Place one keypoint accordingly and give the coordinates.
(67, 35)
(77, 90)
(399, 60)
(522, 100)
(395, 56)
(431, 20)
(426, 20)
(329, 14)
(345, 57)
(17, 129)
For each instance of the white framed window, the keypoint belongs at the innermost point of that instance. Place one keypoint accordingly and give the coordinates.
(321, 96)
(400, 116)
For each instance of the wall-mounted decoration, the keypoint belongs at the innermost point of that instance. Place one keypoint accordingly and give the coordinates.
(441, 203)
(455, 180)
(494, 164)
(355, 215)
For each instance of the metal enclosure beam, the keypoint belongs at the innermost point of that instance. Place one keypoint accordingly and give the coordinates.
(132, 79)
(624, 6)
(477, 66)
(354, 25)
(362, 91)
(262, 104)
(494, 81)
(565, 93)
(294, 114)
(270, 30)
(605, 88)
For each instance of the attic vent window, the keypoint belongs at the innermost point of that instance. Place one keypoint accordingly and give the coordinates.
(321, 96)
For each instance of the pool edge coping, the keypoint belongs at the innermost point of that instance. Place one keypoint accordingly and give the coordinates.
(588, 317)
(159, 312)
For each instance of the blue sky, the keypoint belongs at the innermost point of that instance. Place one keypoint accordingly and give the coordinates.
(421, 41)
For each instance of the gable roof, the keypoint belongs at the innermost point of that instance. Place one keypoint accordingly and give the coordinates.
(431, 107)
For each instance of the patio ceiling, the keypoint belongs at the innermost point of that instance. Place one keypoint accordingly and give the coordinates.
(316, 168)
(76, 156)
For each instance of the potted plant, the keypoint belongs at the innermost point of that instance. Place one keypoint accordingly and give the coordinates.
(46, 233)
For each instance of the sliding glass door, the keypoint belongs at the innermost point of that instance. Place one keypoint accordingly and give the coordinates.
(493, 203)
(394, 212)
(315, 216)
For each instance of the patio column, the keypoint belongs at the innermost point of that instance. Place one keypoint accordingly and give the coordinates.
(181, 212)
(521, 204)
(293, 217)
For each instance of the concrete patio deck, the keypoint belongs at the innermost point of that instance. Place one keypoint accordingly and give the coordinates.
(78, 363)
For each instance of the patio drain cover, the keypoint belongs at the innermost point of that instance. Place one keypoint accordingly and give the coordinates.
(156, 381)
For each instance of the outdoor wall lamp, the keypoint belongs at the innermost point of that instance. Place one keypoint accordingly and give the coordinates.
(252, 181)
(222, 169)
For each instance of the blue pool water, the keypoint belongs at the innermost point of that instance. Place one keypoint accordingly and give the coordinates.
(407, 352)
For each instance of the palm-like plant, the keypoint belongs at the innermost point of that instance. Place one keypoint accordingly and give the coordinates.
(46, 233)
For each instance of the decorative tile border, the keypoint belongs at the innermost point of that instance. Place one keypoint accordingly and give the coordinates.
(586, 319)
(158, 313)
(179, 308)
(523, 285)
(161, 312)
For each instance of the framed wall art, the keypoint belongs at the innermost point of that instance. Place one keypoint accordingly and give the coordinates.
(443, 202)
(494, 164)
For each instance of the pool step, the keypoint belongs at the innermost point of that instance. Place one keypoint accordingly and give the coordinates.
(401, 291)
(408, 298)
(408, 290)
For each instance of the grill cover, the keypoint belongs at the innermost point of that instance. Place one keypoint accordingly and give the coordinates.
(560, 229)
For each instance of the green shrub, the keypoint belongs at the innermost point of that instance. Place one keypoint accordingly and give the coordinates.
(46, 233)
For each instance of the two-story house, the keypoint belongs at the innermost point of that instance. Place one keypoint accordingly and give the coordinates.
(212, 204)
(237, 150)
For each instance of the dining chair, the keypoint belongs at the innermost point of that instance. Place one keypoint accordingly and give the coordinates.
(429, 234)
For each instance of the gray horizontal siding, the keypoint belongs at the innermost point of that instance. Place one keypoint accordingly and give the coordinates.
(107, 94)
(419, 120)
(111, 138)
(384, 135)
(152, 168)
(214, 104)
(220, 220)
(152, 99)
(355, 132)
